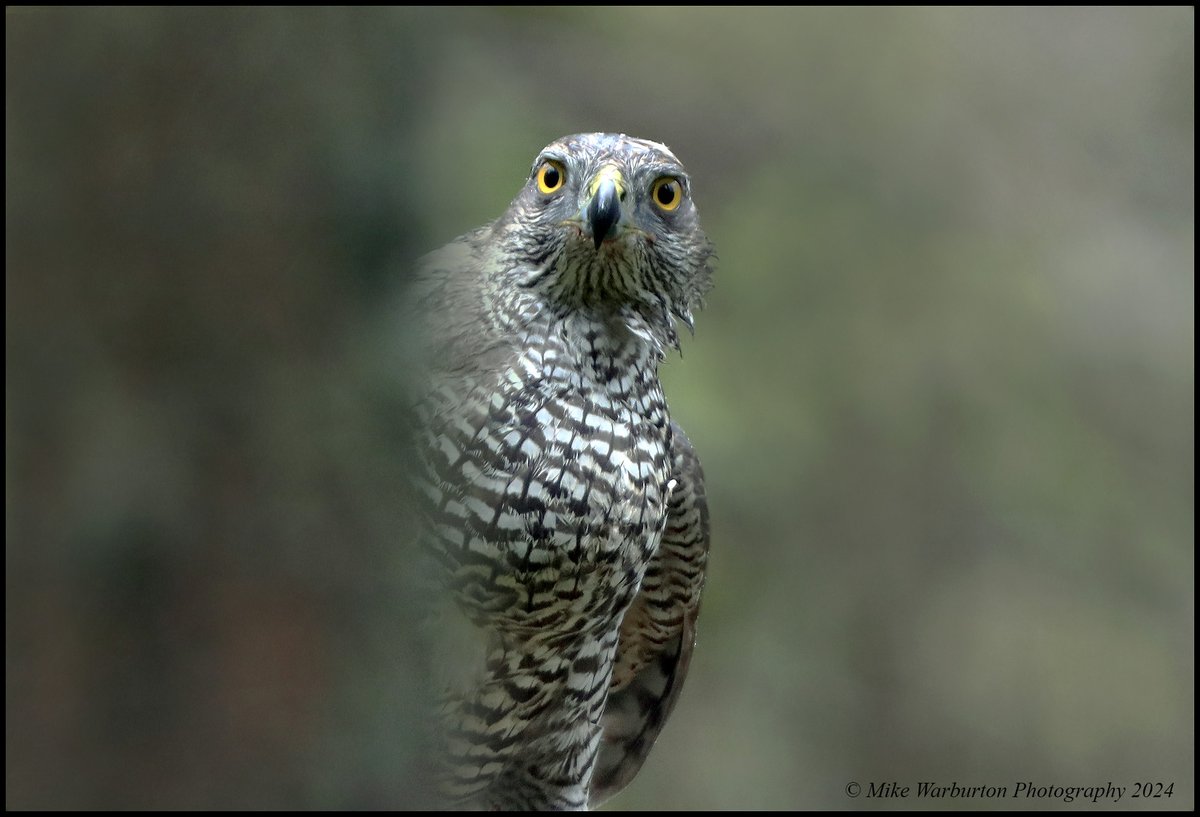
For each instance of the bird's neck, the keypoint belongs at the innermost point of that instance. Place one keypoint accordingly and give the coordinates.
(599, 297)
(616, 350)
(611, 346)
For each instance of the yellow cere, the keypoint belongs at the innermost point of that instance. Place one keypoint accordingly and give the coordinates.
(611, 172)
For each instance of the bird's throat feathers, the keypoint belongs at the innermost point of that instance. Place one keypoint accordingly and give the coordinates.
(617, 288)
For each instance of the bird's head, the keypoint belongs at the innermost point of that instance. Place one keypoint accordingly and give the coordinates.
(606, 220)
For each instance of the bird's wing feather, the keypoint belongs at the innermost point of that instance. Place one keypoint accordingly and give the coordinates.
(657, 634)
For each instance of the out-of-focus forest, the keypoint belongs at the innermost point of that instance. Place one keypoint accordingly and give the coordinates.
(943, 389)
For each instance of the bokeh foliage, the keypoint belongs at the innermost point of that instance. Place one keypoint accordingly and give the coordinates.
(943, 390)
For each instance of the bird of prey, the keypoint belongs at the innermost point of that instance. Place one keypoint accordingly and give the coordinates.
(564, 513)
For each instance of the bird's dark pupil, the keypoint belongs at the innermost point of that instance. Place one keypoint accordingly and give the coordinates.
(666, 194)
(550, 177)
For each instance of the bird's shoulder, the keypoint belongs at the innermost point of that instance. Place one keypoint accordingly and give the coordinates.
(458, 304)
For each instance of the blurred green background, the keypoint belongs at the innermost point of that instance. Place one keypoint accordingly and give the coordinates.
(943, 389)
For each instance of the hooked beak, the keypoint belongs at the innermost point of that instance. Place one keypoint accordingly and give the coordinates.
(604, 210)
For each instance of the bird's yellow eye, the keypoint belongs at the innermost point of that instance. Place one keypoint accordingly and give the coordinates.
(551, 176)
(667, 193)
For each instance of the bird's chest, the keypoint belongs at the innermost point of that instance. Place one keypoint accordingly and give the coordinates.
(559, 484)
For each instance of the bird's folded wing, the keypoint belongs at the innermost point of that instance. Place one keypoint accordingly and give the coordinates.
(657, 634)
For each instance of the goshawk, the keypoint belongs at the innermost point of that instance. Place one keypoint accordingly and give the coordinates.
(564, 512)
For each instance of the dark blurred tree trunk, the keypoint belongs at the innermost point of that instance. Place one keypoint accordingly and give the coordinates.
(206, 603)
